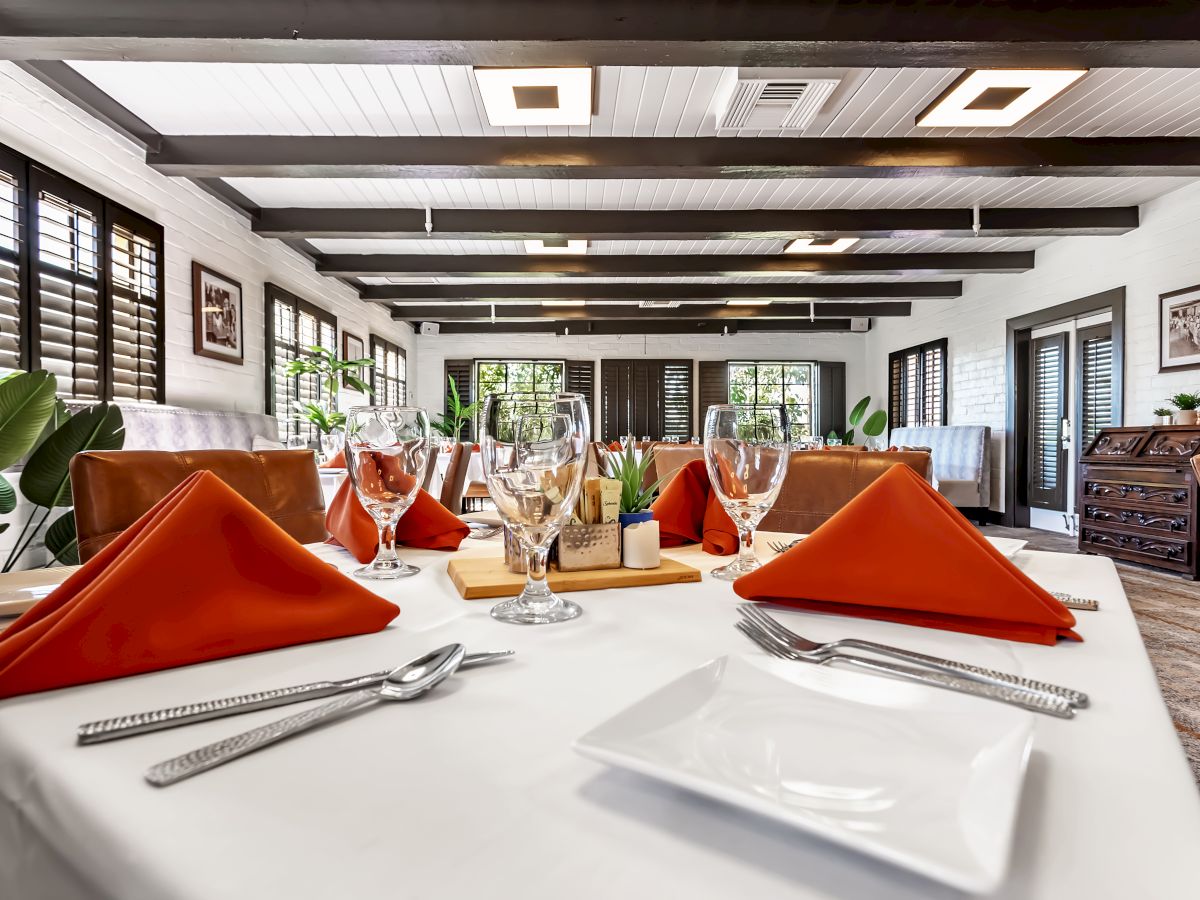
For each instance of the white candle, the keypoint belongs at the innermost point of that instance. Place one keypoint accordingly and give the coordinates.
(640, 550)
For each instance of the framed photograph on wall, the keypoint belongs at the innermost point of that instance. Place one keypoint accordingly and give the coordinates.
(353, 347)
(1179, 329)
(216, 315)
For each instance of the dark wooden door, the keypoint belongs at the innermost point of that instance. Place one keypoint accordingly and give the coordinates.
(1094, 381)
(1047, 407)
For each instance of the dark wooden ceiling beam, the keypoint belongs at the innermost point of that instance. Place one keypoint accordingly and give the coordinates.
(695, 311)
(322, 156)
(863, 33)
(355, 264)
(690, 225)
(653, 326)
(686, 293)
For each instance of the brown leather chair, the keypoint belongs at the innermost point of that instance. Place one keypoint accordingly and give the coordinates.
(819, 483)
(455, 478)
(114, 488)
(669, 459)
(430, 468)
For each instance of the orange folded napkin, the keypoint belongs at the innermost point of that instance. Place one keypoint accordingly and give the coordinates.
(900, 552)
(615, 446)
(688, 511)
(427, 525)
(203, 575)
(337, 461)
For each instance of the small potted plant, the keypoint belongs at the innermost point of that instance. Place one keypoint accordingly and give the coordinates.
(1162, 415)
(1187, 404)
(635, 499)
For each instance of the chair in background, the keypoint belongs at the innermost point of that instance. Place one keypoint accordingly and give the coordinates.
(820, 483)
(962, 463)
(669, 459)
(455, 478)
(430, 469)
(114, 488)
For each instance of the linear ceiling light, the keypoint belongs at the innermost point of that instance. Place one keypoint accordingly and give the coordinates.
(820, 245)
(997, 98)
(551, 96)
(563, 302)
(575, 248)
(747, 302)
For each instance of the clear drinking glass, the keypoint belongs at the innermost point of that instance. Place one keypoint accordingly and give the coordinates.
(387, 448)
(746, 451)
(533, 464)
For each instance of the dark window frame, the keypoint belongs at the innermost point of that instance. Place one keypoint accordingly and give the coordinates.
(897, 417)
(813, 389)
(32, 178)
(272, 294)
(380, 377)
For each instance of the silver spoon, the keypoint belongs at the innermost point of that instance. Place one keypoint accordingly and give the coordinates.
(405, 683)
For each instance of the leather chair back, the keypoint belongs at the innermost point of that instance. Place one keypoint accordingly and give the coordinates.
(820, 482)
(456, 478)
(669, 459)
(430, 468)
(114, 488)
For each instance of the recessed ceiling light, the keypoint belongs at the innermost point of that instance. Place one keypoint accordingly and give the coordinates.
(747, 302)
(996, 98)
(820, 245)
(550, 96)
(563, 302)
(576, 248)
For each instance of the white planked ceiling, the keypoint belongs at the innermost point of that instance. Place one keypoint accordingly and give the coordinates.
(300, 99)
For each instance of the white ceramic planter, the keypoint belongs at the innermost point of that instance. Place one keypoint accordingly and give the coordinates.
(1162, 420)
(1184, 417)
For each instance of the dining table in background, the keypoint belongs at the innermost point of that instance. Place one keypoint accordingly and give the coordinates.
(475, 790)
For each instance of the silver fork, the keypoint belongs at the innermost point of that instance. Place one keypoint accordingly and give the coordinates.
(783, 546)
(1034, 702)
(952, 667)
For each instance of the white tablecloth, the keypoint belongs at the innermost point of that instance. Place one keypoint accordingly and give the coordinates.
(474, 791)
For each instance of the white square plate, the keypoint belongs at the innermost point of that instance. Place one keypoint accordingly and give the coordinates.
(923, 778)
(1008, 547)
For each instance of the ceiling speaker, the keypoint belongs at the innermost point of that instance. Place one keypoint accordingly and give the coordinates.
(435, 328)
(860, 323)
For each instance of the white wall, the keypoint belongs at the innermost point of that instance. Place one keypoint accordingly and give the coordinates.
(434, 350)
(42, 125)
(1160, 256)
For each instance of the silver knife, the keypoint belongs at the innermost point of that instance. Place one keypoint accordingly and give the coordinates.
(162, 719)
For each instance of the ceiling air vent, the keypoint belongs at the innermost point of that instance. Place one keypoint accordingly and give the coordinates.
(658, 304)
(770, 104)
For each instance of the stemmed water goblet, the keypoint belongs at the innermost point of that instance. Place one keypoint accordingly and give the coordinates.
(533, 464)
(387, 448)
(746, 452)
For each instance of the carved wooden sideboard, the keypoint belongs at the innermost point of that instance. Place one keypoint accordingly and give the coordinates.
(1138, 496)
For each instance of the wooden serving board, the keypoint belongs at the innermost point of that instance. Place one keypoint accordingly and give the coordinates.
(479, 577)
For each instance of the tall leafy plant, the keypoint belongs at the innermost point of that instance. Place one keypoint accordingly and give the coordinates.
(874, 425)
(324, 363)
(631, 472)
(34, 421)
(458, 414)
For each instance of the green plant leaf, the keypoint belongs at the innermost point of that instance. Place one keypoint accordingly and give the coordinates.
(860, 410)
(26, 403)
(8, 496)
(358, 384)
(3, 527)
(58, 416)
(46, 479)
(875, 424)
(61, 540)
(848, 437)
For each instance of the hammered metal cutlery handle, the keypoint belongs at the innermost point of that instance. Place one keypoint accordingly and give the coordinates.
(1070, 601)
(992, 676)
(159, 719)
(1042, 703)
(213, 755)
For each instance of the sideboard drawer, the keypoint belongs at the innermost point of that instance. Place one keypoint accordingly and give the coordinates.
(1171, 521)
(1158, 493)
(1149, 548)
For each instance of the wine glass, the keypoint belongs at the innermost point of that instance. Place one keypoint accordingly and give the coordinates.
(746, 451)
(387, 448)
(533, 465)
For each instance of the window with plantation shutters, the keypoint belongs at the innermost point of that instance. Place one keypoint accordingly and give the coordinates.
(134, 291)
(645, 397)
(1047, 407)
(12, 191)
(1095, 382)
(293, 326)
(388, 376)
(917, 386)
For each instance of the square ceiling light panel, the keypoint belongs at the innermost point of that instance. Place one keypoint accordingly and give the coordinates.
(997, 98)
(820, 245)
(548, 247)
(550, 96)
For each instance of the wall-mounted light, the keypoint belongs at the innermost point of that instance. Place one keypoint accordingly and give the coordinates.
(996, 98)
(536, 96)
(820, 245)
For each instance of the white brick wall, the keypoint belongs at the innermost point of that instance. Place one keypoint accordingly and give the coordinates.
(847, 348)
(1160, 256)
(39, 123)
